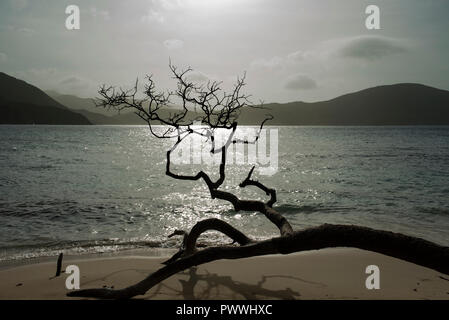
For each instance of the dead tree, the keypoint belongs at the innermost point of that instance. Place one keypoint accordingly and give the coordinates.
(216, 110)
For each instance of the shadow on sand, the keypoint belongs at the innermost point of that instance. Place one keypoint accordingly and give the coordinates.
(210, 286)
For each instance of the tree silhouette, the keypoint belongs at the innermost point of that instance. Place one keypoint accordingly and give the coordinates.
(216, 110)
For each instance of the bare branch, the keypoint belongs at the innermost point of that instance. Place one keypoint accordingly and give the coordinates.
(218, 110)
(268, 191)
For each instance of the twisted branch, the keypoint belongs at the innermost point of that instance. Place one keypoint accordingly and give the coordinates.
(411, 249)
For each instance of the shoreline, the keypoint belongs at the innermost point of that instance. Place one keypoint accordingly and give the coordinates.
(141, 252)
(337, 273)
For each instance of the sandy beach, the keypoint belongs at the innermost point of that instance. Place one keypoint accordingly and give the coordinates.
(337, 273)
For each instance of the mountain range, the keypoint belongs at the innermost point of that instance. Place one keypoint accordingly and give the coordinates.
(23, 103)
(397, 104)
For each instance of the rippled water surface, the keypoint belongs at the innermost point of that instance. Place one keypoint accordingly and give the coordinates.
(103, 188)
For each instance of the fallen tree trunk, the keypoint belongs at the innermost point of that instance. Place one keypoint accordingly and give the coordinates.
(411, 249)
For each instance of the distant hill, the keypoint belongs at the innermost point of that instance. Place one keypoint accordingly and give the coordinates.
(77, 103)
(123, 118)
(398, 104)
(97, 115)
(94, 114)
(22, 103)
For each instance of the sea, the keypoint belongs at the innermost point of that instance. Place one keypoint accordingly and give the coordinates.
(103, 189)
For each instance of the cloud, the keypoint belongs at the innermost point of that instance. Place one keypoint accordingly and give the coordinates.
(300, 82)
(168, 4)
(153, 15)
(297, 55)
(99, 13)
(73, 84)
(3, 57)
(70, 80)
(173, 44)
(160, 9)
(281, 61)
(268, 63)
(24, 31)
(18, 4)
(197, 76)
(34, 75)
(371, 47)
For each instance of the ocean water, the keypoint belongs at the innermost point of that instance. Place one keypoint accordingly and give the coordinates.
(88, 189)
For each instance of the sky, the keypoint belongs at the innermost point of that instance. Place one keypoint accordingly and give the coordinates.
(290, 50)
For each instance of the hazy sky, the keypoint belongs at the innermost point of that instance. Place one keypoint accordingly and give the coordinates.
(291, 50)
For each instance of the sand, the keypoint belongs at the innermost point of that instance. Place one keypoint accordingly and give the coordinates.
(337, 273)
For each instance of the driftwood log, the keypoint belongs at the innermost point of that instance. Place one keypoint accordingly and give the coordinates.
(397, 245)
